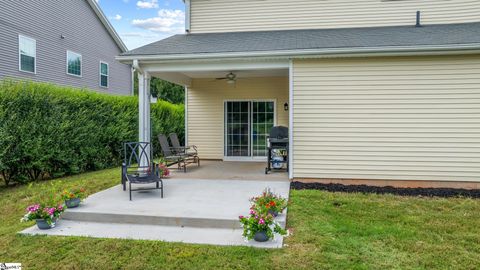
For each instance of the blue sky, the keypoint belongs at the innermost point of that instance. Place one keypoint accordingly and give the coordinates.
(141, 22)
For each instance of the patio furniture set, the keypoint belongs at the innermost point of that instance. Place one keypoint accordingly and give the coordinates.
(139, 167)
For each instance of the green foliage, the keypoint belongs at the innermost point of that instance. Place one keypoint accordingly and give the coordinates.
(50, 131)
(163, 90)
(167, 91)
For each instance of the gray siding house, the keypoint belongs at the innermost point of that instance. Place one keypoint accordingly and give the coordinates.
(68, 42)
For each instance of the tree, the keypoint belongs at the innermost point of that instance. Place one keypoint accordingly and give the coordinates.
(164, 90)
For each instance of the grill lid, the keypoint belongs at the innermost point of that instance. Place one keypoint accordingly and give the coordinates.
(278, 132)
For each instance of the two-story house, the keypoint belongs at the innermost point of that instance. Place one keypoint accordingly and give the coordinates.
(379, 92)
(68, 42)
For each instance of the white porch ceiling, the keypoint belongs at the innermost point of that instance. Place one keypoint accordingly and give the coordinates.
(183, 72)
(240, 73)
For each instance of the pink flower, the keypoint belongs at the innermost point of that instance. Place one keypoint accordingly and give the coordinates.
(33, 208)
(261, 221)
(252, 212)
(241, 217)
(50, 211)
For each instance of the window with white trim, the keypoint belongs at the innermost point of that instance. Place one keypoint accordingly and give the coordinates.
(74, 63)
(27, 54)
(103, 74)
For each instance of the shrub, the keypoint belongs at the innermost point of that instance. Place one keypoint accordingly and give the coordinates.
(50, 131)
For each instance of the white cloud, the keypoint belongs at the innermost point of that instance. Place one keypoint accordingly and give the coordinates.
(147, 4)
(167, 21)
(117, 17)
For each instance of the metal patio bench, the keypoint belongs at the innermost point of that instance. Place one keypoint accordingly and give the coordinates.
(138, 168)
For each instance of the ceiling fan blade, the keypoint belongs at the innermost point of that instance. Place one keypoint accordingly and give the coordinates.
(223, 78)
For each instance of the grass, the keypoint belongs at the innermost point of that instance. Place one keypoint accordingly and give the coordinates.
(330, 231)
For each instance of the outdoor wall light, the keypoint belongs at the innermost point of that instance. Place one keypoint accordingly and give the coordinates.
(285, 106)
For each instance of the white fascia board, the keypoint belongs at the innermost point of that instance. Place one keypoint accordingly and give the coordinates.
(319, 53)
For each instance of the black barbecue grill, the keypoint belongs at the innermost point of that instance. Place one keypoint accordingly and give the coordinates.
(277, 140)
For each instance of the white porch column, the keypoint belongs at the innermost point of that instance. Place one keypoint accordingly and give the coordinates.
(290, 120)
(144, 125)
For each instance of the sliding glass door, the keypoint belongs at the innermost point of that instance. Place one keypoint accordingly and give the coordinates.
(247, 124)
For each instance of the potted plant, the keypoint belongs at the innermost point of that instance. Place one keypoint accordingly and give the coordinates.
(268, 202)
(45, 216)
(163, 170)
(260, 226)
(73, 197)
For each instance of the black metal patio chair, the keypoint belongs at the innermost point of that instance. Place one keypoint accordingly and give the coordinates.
(138, 168)
(190, 151)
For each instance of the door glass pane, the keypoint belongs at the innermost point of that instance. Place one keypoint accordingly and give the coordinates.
(262, 122)
(237, 128)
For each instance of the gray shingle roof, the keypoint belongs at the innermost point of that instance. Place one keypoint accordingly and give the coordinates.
(448, 34)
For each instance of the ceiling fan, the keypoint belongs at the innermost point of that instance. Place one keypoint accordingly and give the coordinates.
(230, 77)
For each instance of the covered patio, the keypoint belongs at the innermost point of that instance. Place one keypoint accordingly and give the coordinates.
(230, 107)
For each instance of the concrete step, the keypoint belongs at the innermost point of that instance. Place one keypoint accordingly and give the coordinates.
(162, 220)
(212, 236)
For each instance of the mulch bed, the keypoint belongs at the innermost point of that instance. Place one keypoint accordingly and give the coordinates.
(426, 192)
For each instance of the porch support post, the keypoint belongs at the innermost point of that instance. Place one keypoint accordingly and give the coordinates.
(144, 125)
(290, 120)
(186, 115)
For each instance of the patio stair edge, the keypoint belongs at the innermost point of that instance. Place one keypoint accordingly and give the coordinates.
(156, 220)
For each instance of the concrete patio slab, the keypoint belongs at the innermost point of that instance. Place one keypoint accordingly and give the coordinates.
(186, 202)
(192, 211)
(222, 237)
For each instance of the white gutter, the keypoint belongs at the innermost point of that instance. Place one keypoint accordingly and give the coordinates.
(309, 53)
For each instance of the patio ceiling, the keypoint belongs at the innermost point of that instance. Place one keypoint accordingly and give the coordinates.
(182, 73)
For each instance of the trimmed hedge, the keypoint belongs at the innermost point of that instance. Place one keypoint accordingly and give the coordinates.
(50, 131)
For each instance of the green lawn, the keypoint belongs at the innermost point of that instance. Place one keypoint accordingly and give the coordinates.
(330, 231)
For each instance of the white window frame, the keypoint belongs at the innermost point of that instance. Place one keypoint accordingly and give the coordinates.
(100, 74)
(81, 64)
(20, 55)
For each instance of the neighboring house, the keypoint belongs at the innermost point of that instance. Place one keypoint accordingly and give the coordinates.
(367, 94)
(68, 42)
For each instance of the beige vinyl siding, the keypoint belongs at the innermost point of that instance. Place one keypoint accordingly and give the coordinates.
(206, 108)
(258, 15)
(387, 118)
